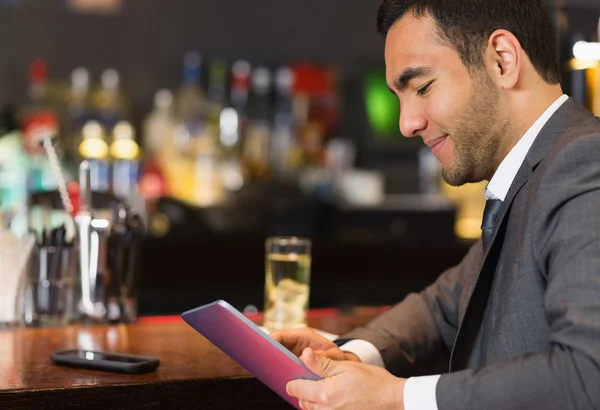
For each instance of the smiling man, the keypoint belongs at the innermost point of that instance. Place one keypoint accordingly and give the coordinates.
(517, 322)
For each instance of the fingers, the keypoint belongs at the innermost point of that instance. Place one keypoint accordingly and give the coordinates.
(307, 405)
(295, 340)
(351, 357)
(320, 365)
(276, 335)
(290, 339)
(333, 353)
(330, 353)
(316, 393)
(306, 390)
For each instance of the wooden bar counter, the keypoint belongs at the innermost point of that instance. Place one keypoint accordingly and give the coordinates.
(192, 372)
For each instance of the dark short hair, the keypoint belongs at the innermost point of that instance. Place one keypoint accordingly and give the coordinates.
(467, 24)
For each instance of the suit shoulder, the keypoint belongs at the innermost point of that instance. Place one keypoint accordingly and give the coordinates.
(572, 165)
(581, 139)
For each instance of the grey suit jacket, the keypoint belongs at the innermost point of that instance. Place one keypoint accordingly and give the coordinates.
(532, 341)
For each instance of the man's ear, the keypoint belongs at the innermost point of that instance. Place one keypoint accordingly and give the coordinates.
(503, 58)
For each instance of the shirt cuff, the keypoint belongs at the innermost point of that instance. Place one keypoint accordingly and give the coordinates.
(365, 351)
(419, 393)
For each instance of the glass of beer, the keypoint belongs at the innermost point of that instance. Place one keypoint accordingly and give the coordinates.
(287, 282)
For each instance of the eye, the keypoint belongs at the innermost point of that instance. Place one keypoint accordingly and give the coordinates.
(423, 90)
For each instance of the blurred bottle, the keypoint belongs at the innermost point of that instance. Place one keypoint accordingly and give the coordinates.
(240, 88)
(125, 153)
(208, 187)
(38, 108)
(158, 126)
(39, 116)
(152, 183)
(208, 184)
(94, 148)
(316, 109)
(110, 103)
(229, 126)
(177, 166)
(232, 173)
(189, 100)
(160, 130)
(159, 149)
(258, 133)
(232, 124)
(194, 175)
(78, 110)
(284, 151)
(216, 97)
(13, 163)
(232, 140)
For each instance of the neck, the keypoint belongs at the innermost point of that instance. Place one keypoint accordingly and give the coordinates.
(527, 106)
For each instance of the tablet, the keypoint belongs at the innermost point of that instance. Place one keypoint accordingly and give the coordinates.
(257, 352)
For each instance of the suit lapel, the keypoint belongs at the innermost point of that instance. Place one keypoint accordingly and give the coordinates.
(469, 326)
(467, 331)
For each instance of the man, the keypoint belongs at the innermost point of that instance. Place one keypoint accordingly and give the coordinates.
(519, 318)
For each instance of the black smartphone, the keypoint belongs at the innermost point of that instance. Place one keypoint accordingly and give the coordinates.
(105, 361)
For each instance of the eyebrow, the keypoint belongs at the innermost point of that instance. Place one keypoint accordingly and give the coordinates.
(409, 74)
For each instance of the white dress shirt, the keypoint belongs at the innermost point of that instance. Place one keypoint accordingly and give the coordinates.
(419, 392)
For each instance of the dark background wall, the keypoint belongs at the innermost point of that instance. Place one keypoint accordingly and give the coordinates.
(148, 38)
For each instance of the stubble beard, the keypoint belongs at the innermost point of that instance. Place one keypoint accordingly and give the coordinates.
(478, 136)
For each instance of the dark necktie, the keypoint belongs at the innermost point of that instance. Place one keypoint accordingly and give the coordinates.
(467, 336)
(490, 214)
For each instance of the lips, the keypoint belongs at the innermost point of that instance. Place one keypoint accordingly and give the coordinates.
(436, 144)
(432, 143)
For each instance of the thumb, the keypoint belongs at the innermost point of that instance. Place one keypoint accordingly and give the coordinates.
(276, 335)
(321, 365)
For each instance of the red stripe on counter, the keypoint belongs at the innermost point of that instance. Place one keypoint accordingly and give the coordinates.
(317, 313)
(254, 316)
(160, 319)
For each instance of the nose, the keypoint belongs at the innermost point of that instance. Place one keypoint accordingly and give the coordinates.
(412, 120)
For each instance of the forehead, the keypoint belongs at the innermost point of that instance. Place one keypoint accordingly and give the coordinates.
(412, 42)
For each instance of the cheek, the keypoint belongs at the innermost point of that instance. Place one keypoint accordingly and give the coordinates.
(442, 110)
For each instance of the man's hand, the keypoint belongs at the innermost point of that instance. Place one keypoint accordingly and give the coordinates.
(296, 340)
(347, 385)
